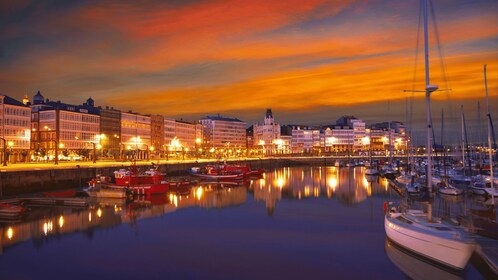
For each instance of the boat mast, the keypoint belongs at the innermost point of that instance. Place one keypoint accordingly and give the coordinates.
(490, 153)
(389, 127)
(463, 139)
(428, 90)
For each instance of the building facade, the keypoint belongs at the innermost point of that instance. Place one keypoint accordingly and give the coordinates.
(110, 132)
(224, 133)
(15, 120)
(267, 134)
(64, 131)
(156, 135)
(136, 135)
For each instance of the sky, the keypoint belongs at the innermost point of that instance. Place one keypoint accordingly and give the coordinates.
(310, 61)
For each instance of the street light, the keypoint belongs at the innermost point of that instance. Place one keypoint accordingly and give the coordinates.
(151, 149)
(121, 155)
(94, 152)
(146, 151)
(100, 138)
(56, 158)
(4, 151)
(262, 144)
(197, 142)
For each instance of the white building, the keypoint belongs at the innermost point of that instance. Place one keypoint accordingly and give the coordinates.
(70, 131)
(305, 139)
(224, 133)
(182, 136)
(267, 135)
(15, 133)
(136, 134)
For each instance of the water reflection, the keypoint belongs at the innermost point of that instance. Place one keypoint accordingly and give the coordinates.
(416, 267)
(348, 185)
(45, 222)
(353, 219)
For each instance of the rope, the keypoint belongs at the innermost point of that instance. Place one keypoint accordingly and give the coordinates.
(443, 67)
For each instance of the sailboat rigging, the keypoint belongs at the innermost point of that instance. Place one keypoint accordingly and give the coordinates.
(418, 231)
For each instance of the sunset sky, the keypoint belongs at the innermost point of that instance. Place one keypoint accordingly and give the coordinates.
(310, 61)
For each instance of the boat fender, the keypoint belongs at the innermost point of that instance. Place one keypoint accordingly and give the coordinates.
(385, 207)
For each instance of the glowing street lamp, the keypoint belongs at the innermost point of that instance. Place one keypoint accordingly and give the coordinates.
(278, 143)
(56, 158)
(4, 151)
(262, 144)
(197, 143)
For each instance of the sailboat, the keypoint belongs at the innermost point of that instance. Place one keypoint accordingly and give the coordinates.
(371, 171)
(485, 185)
(418, 231)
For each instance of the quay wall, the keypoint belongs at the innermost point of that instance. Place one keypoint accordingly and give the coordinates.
(59, 178)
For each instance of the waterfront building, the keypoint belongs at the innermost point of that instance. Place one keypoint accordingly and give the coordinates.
(346, 136)
(169, 136)
(267, 134)
(305, 139)
(224, 133)
(189, 136)
(136, 134)
(15, 133)
(182, 138)
(284, 144)
(64, 131)
(110, 132)
(250, 147)
(156, 135)
(395, 139)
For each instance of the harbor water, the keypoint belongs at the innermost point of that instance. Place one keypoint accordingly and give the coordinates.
(294, 223)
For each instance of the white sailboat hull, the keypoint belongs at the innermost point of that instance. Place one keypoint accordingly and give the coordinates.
(451, 252)
(371, 172)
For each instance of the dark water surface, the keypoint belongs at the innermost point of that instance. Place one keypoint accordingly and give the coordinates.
(296, 223)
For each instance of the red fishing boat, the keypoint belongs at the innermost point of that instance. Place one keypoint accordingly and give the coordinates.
(244, 169)
(226, 172)
(149, 183)
(9, 211)
(211, 172)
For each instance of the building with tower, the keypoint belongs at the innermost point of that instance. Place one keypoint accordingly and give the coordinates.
(266, 135)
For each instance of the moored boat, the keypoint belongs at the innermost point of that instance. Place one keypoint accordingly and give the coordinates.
(432, 239)
(9, 211)
(107, 192)
(371, 172)
(218, 177)
(149, 183)
(447, 189)
(215, 173)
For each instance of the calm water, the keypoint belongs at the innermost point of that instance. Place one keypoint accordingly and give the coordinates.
(296, 223)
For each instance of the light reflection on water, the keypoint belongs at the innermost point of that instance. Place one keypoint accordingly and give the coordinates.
(302, 221)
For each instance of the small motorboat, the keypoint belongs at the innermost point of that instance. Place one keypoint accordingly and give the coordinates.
(10, 211)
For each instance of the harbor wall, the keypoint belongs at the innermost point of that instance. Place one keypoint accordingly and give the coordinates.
(35, 181)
